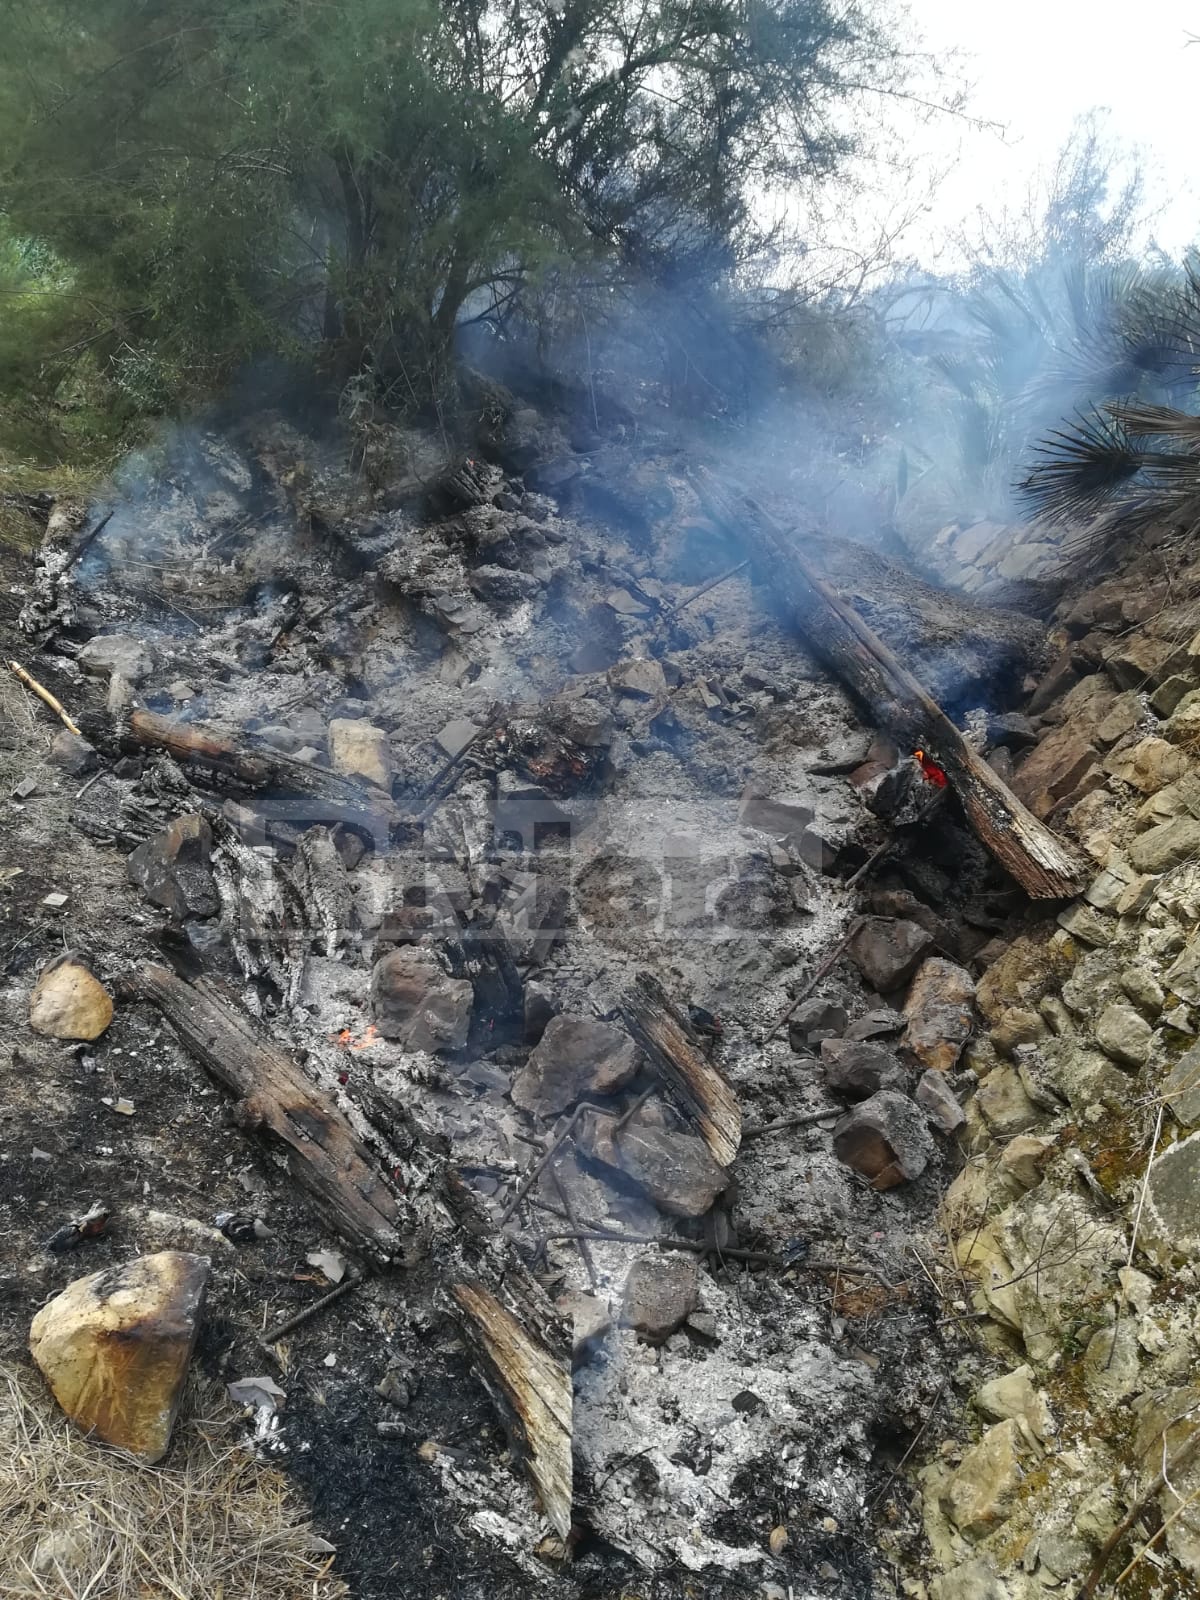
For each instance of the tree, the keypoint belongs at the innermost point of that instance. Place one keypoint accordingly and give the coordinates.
(227, 176)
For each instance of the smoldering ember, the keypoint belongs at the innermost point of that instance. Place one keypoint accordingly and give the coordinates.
(600, 882)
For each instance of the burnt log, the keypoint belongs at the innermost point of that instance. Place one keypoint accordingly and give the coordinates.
(518, 1341)
(277, 1102)
(1045, 867)
(692, 1081)
(283, 789)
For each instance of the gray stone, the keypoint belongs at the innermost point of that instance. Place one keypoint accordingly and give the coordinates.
(1063, 1557)
(172, 869)
(779, 814)
(286, 740)
(539, 1007)
(661, 1292)
(1081, 1076)
(116, 655)
(1181, 1088)
(1171, 1217)
(816, 1020)
(457, 735)
(1166, 846)
(858, 1069)
(887, 952)
(975, 1580)
(419, 1004)
(939, 1102)
(1143, 988)
(576, 1058)
(1082, 922)
(875, 1025)
(642, 678)
(1017, 1027)
(885, 1138)
(1111, 1367)
(72, 755)
(503, 585)
(1183, 976)
(1023, 1158)
(672, 1165)
(1124, 1034)
(1106, 890)
(1012, 1396)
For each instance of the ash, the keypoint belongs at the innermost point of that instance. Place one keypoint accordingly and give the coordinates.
(567, 778)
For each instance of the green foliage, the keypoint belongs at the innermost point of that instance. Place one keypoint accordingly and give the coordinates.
(349, 180)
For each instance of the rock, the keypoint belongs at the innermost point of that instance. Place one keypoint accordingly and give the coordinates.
(1149, 765)
(981, 1490)
(1183, 976)
(1012, 1397)
(577, 1057)
(779, 814)
(815, 1020)
(1106, 890)
(417, 1003)
(1087, 925)
(1062, 1557)
(1143, 988)
(888, 952)
(643, 679)
(172, 869)
(503, 585)
(115, 1348)
(112, 655)
(1140, 660)
(1181, 1088)
(1169, 693)
(1053, 771)
(1004, 1105)
(1111, 1365)
(1121, 718)
(538, 1009)
(1168, 845)
(875, 1025)
(1081, 1076)
(939, 1102)
(1124, 1034)
(672, 1165)
(589, 1317)
(69, 1001)
(976, 1580)
(1023, 1158)
(940, 1012)
(885, 1138)
(1171, 1217)
(1184, 722)
(1011, 730)
(858, 1069)
(358, 749)
(73, 755)
(660, 1293)
(456, 736)
(1017, 1027)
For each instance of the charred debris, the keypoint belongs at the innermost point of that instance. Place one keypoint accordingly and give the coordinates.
(574, 871)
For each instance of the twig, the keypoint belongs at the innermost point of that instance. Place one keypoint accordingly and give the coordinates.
(584, 1249)
(822, 971)
(1105, 1554)
(273, 1335)
(673, 611)
(1184, 1503)
(44, 696)
(805, 1119)
(560, 1139)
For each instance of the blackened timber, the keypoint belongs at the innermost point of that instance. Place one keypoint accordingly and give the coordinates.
(1031, 852)
(297, 791)
(696, 1086)
(280, 1104)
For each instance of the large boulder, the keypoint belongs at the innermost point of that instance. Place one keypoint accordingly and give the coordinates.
(115, 1348)
(576, 1057)
(69, 1001)
(419, 1004)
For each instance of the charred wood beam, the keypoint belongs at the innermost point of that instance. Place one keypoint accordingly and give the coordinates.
(1045, 867)
(519, 1343)
(281, 1105)
(297, 790)
(691, 1079)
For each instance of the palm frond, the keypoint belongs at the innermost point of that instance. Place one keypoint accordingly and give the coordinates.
(1078, 468)
(1145, 419)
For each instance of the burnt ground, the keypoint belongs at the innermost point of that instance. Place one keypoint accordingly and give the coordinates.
(846, 1367)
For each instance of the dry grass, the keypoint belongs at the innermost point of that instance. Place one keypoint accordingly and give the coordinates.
(79, 1522)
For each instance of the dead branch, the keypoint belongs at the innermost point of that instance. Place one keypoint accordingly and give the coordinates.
(1105, 1554)
(44, 696)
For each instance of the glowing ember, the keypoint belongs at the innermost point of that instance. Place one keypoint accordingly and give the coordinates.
(930, 770)
(348, 1042)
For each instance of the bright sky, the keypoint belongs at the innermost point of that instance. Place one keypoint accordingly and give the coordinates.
(1038, 64)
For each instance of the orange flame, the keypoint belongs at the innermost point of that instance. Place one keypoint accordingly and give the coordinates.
(930, 769)
(348, 1042)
